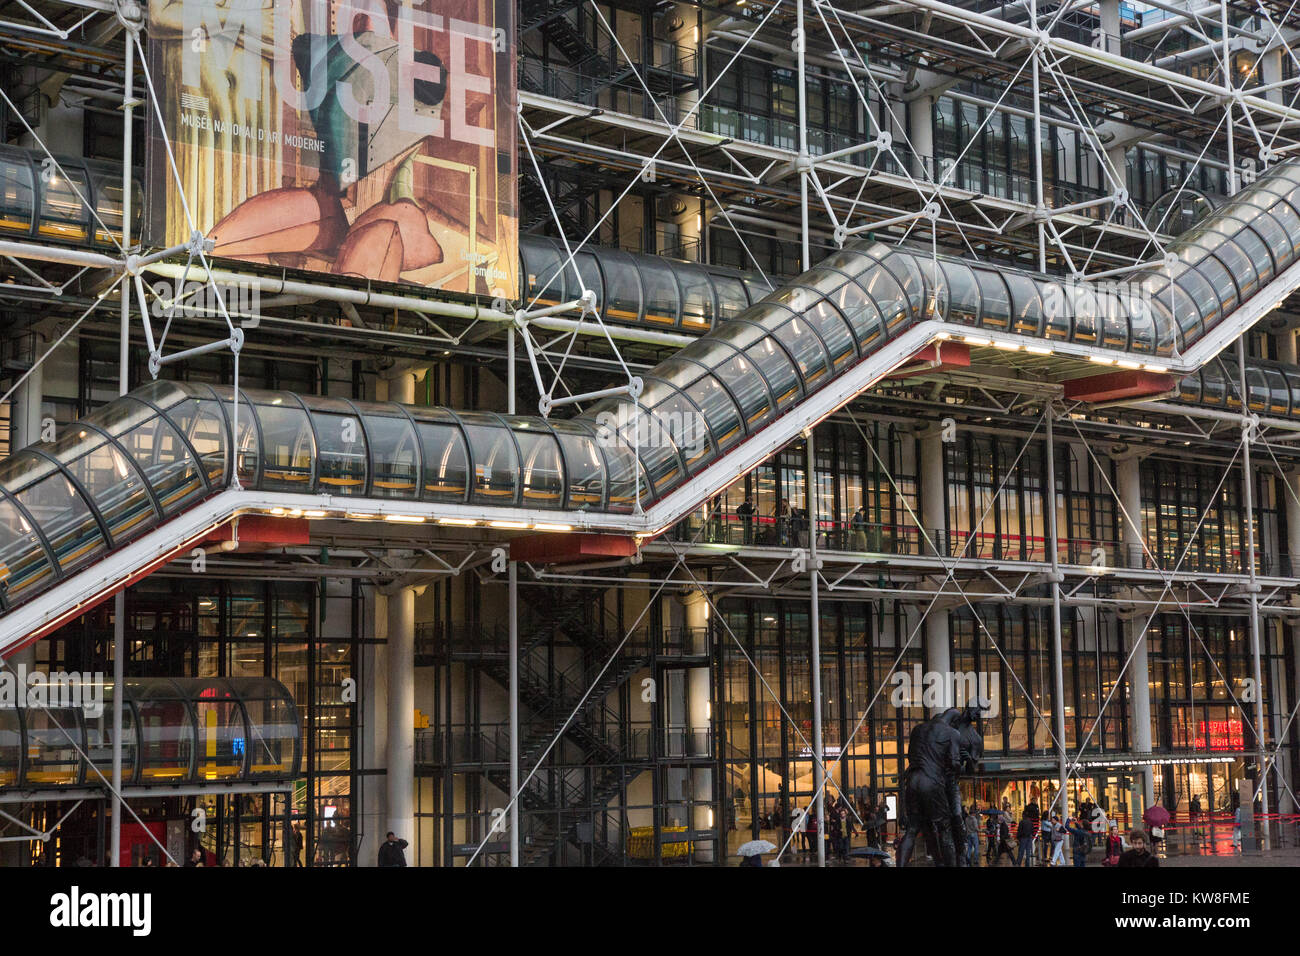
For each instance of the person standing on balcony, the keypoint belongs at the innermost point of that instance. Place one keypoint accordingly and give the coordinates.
(859, 525)
(745, 512)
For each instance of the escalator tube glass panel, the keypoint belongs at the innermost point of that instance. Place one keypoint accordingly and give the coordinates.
(995, 300)
(719, 410)
(394, 451)
(541, 471)
(110, 481)
(342, 455)
(801, 341)
(584, 466)
(494, 459)
(166, 462)
(780, 373)
(288, 443)
(445, 461)
(56, 506)
(746, 383)
(25, 567)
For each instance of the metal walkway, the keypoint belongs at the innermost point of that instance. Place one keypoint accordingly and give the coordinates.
(149, 475)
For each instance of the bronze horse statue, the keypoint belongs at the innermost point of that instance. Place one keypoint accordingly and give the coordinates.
(939, 751)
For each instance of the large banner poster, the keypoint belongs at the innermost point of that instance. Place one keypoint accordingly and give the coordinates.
(372, 139)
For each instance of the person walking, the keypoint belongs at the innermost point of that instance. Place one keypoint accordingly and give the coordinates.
(1057, 835)
(834, 831)
(1080, 841)
(390, 851)
(297, 845)
(799, 829)
(971, 822)
(1025, 833)
(1237, 820)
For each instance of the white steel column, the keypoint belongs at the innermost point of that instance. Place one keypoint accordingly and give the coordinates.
(1128, 481)
(1058, 679)
(920, 133)
(1248, 499)
(513, 651)
(938, 654)
(815, 668)
(119, 601)
(401, 713)
(803, 162)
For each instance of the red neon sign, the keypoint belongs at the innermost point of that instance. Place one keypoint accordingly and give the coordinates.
(1220, 735)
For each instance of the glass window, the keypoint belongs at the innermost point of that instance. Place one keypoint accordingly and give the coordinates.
(11, 746)
(542, 471)
(584, 466)
(17, 197)
(64, 215)
(834, 333)
(891, 295)
(24, 566)
(541, 271)
(862, 315)
(719, 411)
(743, 378)
(166, 732)
(341, 456)
(697, 296)
(995, 300)
(495, 460)
(394, 457)
(272, 747)
(686, 427)
(963, 293)
(55, 740)
(200, 421)
(60, 511)
(118, 492)
(731, 296)
(1026, 303)
(622, 286)
(442, 450)
(779, 371)
(223, 735)
(802, 342)
(660, 291)
(288, 446)
(170, 470)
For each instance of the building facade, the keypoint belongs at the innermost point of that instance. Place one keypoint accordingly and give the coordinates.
(1090, 518)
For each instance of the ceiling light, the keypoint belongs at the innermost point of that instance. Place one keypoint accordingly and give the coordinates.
(515, 525)
(313, 514)
(1156, 368)
(1101, 360)
(976, 340)
(410, 519)
(553, 527)
(459, 522)
(1038, 350)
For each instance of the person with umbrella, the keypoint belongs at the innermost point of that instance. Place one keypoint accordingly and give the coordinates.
(751, 853)
(1156, 819)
